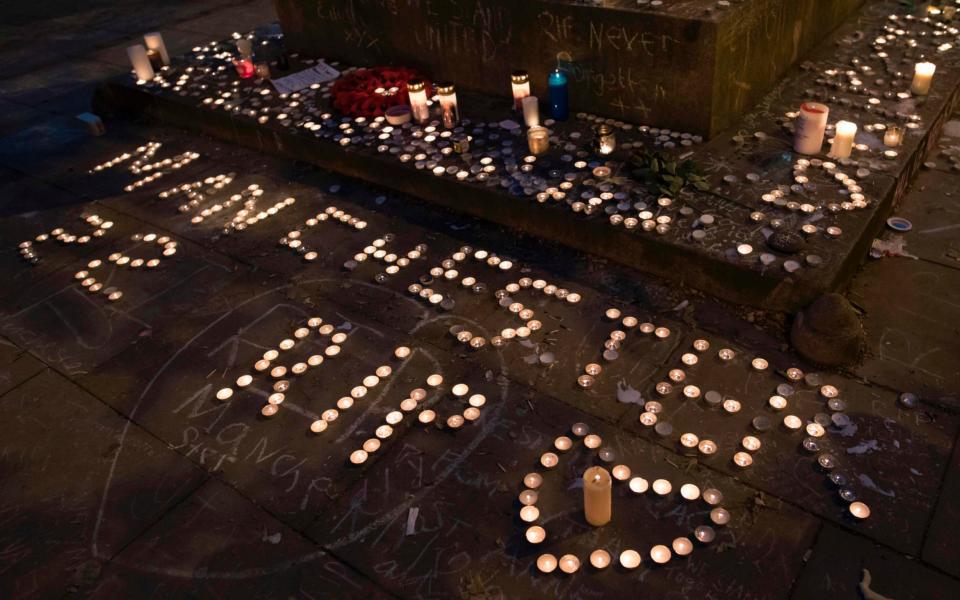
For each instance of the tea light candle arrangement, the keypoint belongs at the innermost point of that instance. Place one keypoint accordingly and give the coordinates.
(113, 293)
(614, 343)
(28, 248)
(762, 423)
(597, 499)
(280, 375)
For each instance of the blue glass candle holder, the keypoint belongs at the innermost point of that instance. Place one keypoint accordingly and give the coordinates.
(559, 106)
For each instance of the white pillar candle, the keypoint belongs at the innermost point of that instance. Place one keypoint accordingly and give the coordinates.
(419, 108)
(531, 111)
(810, 126)
(520, 84)
(154, 41)
(922, 78)
(141, 62)
(597, 486)
(843, 140)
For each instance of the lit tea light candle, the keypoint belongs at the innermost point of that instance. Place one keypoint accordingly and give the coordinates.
(922, 78)
(563, 443)
(720, 516)
(533, 480)
(859, 510)
(662, 487)
(549, 460)
(621, 472)
(810, 126)
(547, 563)
(600, 559)
(843, 139)
(569, 563)
(141, 62)
(630, 559)
(742, 459)
(689, 491)
(750, 443)
(597, 486)
(777, 402)
(707, 447)
(520, 85)
(538, 140)
(358, 457)
(682, 546)
(536, 534)
(639, 485)
(528, 497)
(592, 441)
(689, 440)
(712, 496)
(530, 513)
(224, 394)
(660, 554)
(792, 422)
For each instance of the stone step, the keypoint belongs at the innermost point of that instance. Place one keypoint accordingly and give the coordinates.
(693, 65)
(720, 241)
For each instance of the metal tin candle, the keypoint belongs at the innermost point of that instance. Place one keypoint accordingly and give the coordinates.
(557, 84)
(447, 94)
(520, 84)
(604, 139)
(419, 107)
(538, 139)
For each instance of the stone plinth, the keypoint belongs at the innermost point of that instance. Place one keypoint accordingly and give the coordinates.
(686, 65)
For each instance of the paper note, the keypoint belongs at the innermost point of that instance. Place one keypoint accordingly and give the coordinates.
(319, 73)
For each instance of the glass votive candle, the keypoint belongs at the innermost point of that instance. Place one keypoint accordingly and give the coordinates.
(538, 140)
(604, 139)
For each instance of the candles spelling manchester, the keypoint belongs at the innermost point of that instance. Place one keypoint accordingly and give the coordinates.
(597, 487)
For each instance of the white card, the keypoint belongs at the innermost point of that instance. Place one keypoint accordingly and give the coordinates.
(319, 73)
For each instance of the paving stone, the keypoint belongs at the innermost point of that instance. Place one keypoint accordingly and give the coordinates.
(16, 366)
(932, 207)
(942, 548)
(72, 329)
(37, 86)
(217, 543)
(912, 334)
(836, 563)
(80, 483)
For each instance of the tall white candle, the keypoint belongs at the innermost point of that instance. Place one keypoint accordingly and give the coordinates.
(520, 84)
(419, 109)
(597, 496)
(922, 78)
(141, 62)
(809, 127)
(843, 140)
(531, 111)
(154, 41)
